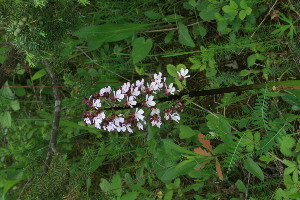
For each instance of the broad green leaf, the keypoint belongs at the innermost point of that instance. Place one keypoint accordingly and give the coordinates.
(105, 185)
(184, 35)
(5, 119)
(186, 132)
(168, 195)
(253, 168)
(15, 105)
(116, 184)
(243, 4)
(153, 15)
(182, 168)
(172, 70)
(141, 48)
(251, 60)
(39, 74)
(96, 35)
(199, 29)
(208, 14)
(140, 70)
(242, 14)
(93, 72)
(130, 196)
(240, 186)
(286, 145)
(169, 37)
(169, 144)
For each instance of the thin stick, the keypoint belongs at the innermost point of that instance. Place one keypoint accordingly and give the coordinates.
(55, 124)
(86, 55)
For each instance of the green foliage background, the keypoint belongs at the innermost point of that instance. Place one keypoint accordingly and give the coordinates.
(93, 44)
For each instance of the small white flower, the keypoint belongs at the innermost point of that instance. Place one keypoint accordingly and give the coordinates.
(139, 83)
(140, 126)
(176, 117)
(139, 114)
(87, 120)
(125, 87)
(129, 128)
(105, 90)
(157, 77)
(110, 127)
(155, 111)
(135, 92)
(130, 101)
(167, 116)
(121, 128)
(156, 123)
(118, 120)
(118, 95)
(149, 101)
(183, 74)
(96, 103)
(98, 120)
(171, 89)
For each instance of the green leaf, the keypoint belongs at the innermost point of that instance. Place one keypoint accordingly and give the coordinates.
(15, 105)
(186, 132)
(243, 4)
(168, 195)
(169, 37)
(253, 168)
(105, 185)
(182, 168)
(116, 184)
(242, 14)
(184, 35)
(153, 15)
(140, 70)
(251, 60)
(5, 119)
(141, 48)
(231, 9)
(199, 29)
(171, 145)
(96, 35)
(130, 196)
(208, 14)
(240, 186)
(172, 70)
(286, 145)
(39, 74)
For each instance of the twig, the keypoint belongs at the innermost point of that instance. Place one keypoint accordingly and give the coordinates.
(86, 55)
(264, 19)
(167, 29)
(57, 108)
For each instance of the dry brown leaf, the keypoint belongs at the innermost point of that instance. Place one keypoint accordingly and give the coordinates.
(202, 165)
(205, 143)
(275, 14)
(202, 152)
(219, 170)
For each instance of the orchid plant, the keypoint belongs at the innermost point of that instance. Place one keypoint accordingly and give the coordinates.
(138, 95)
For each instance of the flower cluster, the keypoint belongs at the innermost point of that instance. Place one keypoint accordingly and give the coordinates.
(129, 96)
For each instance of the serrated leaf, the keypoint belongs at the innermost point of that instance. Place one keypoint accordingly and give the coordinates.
(15, 105)
(242, 14)
(253, 168)
(105, 185)
(141, 49)
(153, 15)
(286, 145)
(184, 35)
(5, 119)
(116, 184)
(39, 74)
(208, 14)
(186, 132)
(169, 37)
(172, 70)
(240, 186)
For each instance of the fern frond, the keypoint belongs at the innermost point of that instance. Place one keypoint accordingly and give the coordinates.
(260, 112)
